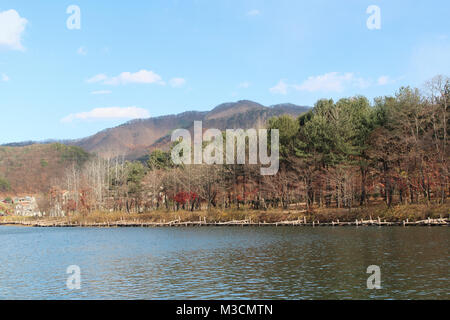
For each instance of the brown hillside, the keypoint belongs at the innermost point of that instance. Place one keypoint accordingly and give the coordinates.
(31, 169)
(136, 138)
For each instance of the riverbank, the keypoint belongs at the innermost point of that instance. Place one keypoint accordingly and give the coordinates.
(404, 215)
(243, 223)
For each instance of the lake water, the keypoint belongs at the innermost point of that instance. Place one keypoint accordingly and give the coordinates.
(225, 263)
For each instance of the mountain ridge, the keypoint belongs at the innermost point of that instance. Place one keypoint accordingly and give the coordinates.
(136, 138)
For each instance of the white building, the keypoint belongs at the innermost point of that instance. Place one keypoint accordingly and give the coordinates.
(26, 207)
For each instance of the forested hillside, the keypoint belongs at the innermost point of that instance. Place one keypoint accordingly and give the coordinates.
(340, 154)
(33, 169)
(136, 138)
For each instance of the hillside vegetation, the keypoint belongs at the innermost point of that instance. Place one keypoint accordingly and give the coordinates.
(351, 157)
(136, 138)
(31, 169)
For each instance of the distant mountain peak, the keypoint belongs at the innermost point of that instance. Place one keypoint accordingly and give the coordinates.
(231, 108)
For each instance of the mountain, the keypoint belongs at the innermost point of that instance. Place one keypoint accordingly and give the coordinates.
(31, 142)
(30, 167)
(136, 138)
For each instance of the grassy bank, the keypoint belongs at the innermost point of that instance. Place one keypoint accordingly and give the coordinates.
(399, 213)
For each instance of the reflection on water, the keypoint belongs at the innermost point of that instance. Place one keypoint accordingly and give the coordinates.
(225, 263)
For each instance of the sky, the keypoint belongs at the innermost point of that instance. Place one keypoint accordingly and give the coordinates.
(71, 68)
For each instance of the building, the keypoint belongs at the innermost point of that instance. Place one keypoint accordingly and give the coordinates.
(26, 207)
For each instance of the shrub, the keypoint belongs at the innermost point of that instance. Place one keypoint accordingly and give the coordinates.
(71, 153)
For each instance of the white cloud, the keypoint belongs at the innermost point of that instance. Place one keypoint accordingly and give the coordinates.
(280, 88)
(108, 114)
(362, 83)
(177, 82)
(244, 85)
(383, 80)
(328, 82)
(12, 26)
(4, 77)
(101, 92)
(97, 78)
(332, 81)
(142, 76)
(254, 12)
(82, 51)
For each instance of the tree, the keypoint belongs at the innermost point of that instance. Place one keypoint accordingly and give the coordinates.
(206, 180)
(159, 160)
(360, 125)
(324, 141)
(334, 154)
(4, 184)
(439, 102)
(288, 131)
(135, 175)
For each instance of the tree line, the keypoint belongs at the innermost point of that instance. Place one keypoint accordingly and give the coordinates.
(340, 154)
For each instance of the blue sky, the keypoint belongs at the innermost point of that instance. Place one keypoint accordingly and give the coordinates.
(149, 58)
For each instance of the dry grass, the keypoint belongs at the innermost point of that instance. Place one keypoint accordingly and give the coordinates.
(185, 216)
(412, 212)
(397, 213)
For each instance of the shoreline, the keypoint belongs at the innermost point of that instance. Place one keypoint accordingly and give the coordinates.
(234, 223)
(402, 215)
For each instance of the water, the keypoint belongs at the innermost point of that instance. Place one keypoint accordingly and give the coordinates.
(225, 263)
